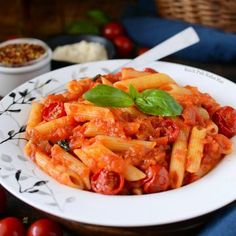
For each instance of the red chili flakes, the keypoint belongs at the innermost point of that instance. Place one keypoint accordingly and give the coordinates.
(20, 54)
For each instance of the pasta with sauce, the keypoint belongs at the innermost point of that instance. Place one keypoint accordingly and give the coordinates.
(125, 150)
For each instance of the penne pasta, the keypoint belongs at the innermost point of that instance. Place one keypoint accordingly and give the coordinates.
(133, 111)
(86, 112)
(64, 158)
(106, 81)
(195, 149)
(203, 113)
(225, 145)
(131, 173)
(129, 73)
(178, 159)
(175, 90)
(91, 130)
(116, 148)
(211, 128)
(79, 86)
(29, 149)
(98, 156)
(47, 128)
(154, 80)
(35, 116)
(58, 172)
(120, 144)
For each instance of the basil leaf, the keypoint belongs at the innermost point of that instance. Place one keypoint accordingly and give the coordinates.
(82, 27)
(157, 102)
(108, 96)
(133, 92)
(64, 144)
(99, 17)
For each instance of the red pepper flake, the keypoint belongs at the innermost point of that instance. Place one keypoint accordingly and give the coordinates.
(20, 54)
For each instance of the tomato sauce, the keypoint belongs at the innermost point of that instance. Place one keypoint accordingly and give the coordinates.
(149, 154)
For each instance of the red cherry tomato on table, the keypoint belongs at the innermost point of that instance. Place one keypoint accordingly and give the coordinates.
(107, 182)
(44, 227)
(157, 179)
(3, 200)
(112, 29)
(140, 51)
(225, 119)
(170, 129)
(53, 110)
(124, 45)
(11, 226)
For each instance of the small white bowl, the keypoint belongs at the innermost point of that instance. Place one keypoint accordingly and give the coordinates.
(11, 77)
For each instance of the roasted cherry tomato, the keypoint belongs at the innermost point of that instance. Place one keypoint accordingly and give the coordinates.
(124, 45)
(225, 119)
(53, 110)
(44, 227)
(11, 226)
(170, 129)
(140, 51)
(157, 179)
(112, 29)
(107, 182)
(3, 200)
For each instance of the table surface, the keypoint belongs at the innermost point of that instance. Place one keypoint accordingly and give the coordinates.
(19, 209)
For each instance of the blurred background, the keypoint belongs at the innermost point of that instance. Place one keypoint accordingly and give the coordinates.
(44, 18)
(215, 21)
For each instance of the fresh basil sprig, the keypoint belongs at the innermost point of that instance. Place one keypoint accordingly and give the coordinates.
(150, 101)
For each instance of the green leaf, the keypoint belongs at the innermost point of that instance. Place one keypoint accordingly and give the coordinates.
(133, 92)
(64, 144)
(82, 26)
(98, 16)
(157, 102)
(107, 96)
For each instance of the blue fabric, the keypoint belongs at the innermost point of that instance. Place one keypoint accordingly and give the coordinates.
(141, 8)
(214, 45)
(223, 224)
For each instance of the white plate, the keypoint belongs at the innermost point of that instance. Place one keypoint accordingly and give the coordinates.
(23, 179)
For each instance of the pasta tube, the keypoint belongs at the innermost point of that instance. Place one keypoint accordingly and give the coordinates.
(85, 112)
(178, 159)
(155, 80)
(64, 158)
(58, 172)
(195, 149)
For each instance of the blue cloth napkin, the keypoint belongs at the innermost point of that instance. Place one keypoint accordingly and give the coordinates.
(214, 45)
(223, 223)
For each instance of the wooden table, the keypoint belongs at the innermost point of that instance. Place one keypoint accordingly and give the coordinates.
(191, 227)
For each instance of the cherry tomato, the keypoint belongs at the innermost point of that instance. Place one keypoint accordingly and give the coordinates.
(225, 119)
(142, 50)
(11, 226)
(44, 227)
(124, 45)
(107, 182)
(53, 110)
(157, 179)
(3, 200)
(112, 29)
(170, 129)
